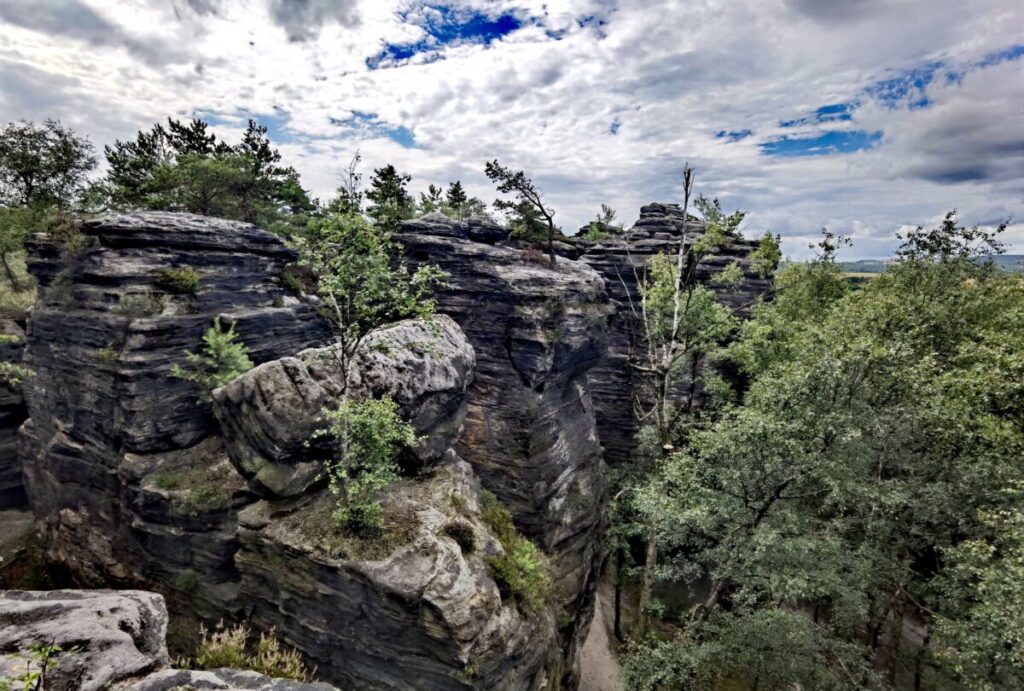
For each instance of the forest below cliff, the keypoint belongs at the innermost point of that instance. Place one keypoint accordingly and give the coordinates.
(817, 482)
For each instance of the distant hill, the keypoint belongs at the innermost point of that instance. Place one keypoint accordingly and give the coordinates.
(1010, 263)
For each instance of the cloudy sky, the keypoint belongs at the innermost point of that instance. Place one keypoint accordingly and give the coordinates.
(860, 115)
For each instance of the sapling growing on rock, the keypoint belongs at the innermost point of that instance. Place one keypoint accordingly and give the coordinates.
(221, 360)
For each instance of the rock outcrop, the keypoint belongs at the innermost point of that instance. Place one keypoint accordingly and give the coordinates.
(104, 636)
(621, 260)
(529, 433)
(222, 507)
(270, 414)
(12, 414)
(128, 487)
(106, 639)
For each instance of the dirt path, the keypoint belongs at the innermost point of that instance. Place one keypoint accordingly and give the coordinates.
(599, 665)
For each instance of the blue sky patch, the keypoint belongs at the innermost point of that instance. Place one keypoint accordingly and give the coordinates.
(614, 127)
(445, 25)
(1011, 53)
(371, 122)
(907, 88)
(821, 145)
(836, 112)
(734, 136)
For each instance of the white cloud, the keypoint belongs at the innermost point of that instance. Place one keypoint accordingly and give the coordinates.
(671, 73)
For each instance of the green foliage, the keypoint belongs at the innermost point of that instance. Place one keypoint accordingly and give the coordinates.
(32, 676)
(861, 479)
(716, 221)
(520, 571)
(390, 202)
(603, 226)
(768, 254)
(221, 360)
(431, 200)
(181, 281)
(369, 433)
(229, 647)
(531, 220)
(183, 168)
(43, 166)
(362, 286)
(144, 304)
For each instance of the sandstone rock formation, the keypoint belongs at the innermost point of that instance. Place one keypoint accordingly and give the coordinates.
(529, 432)
(620, 260)
(135, 484)
(270, 414)
(127, 487)
(107, 639)
(12, 414)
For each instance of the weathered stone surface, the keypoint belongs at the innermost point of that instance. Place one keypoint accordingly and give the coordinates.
(234, 679)
(107, 420)
(621, 260)
(413, 609)
(12, 414)
(105, 636)
(529, 432)
(270, 414)
(476, 229)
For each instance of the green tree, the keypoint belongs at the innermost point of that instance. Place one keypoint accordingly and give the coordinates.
(185, 168)
(361, 284)
(431, 200)
(455, 200)
(349, 196)
(390, 202)
(877, 433)
(43, 171)
(221, 360)
(530, 216)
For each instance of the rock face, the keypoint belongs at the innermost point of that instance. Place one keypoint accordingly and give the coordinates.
(620, 260)
(127, 487)
(135, 484)
(107, 638)
(12, 414)
(270, 413)
(529, 432)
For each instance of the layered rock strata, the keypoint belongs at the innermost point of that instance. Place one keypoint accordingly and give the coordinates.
(128, 486)
(12, 414)
(621, 260)
(529, 433)
(224, 508)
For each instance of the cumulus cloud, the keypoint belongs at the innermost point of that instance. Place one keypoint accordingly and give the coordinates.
(601, 102)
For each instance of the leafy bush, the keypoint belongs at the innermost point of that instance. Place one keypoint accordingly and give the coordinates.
(369, 432)
(229, 648)
(183, 281)
(221, 360)
(519, 573)
(32, 675)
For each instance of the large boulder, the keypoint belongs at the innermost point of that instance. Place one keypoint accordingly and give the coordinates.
(270, 414)
(104, 636)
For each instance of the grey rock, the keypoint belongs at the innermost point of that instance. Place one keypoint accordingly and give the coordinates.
(529, 432)
(12, 414)
(269, 415)
(417, 610)
(104, 636)
(224, 678)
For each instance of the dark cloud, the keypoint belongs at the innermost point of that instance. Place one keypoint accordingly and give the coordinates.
(829, 11)
(302, 19)
(73, 19)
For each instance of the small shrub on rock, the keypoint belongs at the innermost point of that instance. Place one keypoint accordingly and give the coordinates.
(369, 433)
(229, 648)
(221, 360)
(519, 573)
(145, 304)
(183, 281)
